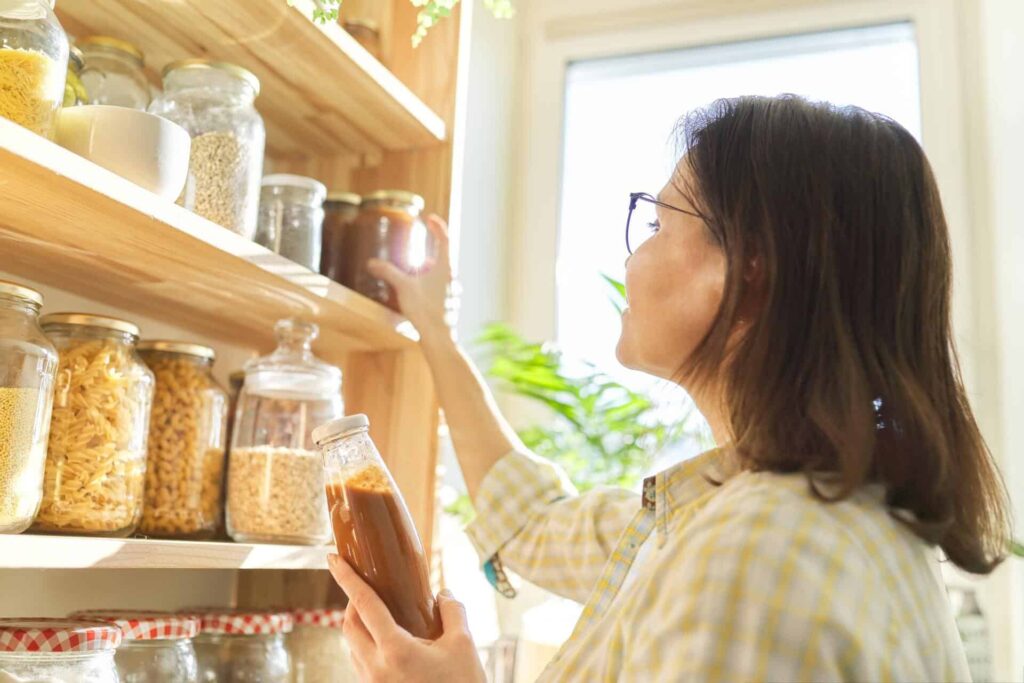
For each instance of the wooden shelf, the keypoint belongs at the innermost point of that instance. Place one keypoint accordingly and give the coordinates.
(68, 223)
(27, 551)
(322, 93)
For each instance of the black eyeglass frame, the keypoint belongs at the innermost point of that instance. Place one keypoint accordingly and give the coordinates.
(634, 197)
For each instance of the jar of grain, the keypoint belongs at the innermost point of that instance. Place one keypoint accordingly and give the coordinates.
(156, 646)
(317, 647)
(214, 102)
(96, 462)
(340, 210)
(291, 218)
(28, 364)
(187, 432)
(33, 64)
(113, 72)
(45, 650)
(275, 475)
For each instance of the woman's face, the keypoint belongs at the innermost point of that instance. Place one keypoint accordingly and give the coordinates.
(674, 285)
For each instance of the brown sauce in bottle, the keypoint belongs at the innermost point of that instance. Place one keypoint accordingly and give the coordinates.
(375, 535)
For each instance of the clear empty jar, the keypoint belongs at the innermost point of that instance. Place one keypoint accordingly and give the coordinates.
(317, 647)
(28, 364)
(242, 646)
(33, 64)
(113, 72)
(96, 460)
(156, 646)
(291, 218)
(64, 650)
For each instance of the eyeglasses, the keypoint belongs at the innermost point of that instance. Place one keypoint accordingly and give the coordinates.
(645, 224)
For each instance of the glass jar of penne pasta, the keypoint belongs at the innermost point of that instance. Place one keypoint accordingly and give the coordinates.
(96, 460)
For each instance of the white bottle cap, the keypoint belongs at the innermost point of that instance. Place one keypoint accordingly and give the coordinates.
(343, 425)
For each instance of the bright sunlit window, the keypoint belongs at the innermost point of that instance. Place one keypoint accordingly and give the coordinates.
(619, 118)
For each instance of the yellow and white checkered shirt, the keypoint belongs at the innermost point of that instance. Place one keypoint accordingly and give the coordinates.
(753, 580)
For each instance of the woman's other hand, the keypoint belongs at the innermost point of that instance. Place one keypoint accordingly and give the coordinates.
(382, 651)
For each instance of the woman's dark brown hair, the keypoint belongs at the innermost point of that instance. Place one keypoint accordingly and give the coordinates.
(846, 368)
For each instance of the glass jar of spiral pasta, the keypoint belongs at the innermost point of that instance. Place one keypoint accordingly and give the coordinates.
(96, 461)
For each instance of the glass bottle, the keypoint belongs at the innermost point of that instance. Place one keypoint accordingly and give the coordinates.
(187, 432)
(58, 650)
(156, 646)
(291, 218)
(114, 72)
(214, 102)
(275, 477)
(340, 210)
(373, 530)
(33, 64)
(28, 365)
(96, 458)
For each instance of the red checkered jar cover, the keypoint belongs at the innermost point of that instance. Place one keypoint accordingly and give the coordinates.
(328, 618)
(146, 625)
(242, 622)
(57, 635)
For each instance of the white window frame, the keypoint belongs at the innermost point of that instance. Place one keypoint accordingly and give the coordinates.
(559, 32)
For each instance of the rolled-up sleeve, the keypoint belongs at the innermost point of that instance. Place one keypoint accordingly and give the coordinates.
(530, 515)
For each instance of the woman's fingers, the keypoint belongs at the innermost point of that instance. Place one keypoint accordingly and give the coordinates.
(442, 244)
(453, 613)
(388, 272)
(372, 611)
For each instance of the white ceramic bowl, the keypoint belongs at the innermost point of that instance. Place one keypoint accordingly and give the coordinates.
(144, 148)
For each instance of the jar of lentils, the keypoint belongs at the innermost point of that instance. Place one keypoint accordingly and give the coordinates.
(58, 650)
(156, 646)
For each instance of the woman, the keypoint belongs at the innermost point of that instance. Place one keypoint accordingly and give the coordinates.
(797, 285)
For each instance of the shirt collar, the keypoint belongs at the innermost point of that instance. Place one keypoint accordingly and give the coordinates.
(673, 490)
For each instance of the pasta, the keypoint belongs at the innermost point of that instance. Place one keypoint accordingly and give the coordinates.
(97, 452)
(25, 84)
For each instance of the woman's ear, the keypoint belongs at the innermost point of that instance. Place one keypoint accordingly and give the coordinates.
(754, 289)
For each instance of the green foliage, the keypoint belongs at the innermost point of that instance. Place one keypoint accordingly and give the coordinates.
(1017, 548)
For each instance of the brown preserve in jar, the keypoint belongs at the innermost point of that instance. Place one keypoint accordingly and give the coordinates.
(340, 211)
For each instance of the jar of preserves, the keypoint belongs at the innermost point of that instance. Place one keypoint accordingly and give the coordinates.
(389, 228)
(33, 64)
(28, 365)
(74, 91)
(214, 102)
(96, 460)
(373, 530)
(113, 72)
(58, 650)
(187, 432)
(340, 210)
(242, 646)
(275, 476)
(317, 647)
(156, 646)
(291, 218)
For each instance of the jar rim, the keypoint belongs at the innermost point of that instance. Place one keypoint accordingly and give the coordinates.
(185, 348)
(122, 46)
(21, 292)
(145, 625)
(238, 72)
(89, 320)
(400, 196)
(343, 197)
(300, 181)
(340, 427)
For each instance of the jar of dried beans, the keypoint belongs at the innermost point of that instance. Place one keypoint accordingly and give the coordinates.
(28, 363)
(187, 432)
(214, 102)
(96, 462)
(33, 64)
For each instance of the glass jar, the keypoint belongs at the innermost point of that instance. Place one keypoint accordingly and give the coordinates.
(373, 530)
(275, 476)
(33, 64)
(45, 650)
(243, 646)
(114, 72)
(291, 218)
(213, 101)
(96, 460)
(187, 432)
(156, 646)
(317, 647)
(28, 365)
(389, 228)
(74, 91)
(340, 210)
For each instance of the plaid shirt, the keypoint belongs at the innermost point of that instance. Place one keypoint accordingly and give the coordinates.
(752, 580)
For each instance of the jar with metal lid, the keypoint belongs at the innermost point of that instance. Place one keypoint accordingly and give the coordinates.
(113, 72)
(28, 365)
(33, 64)
(317, 647)
(74, 91)
(388, 228)
(214, 102)
(340, 210)
(156, 646)
(187, 438)
(58, 650)
(96, 460)
(275, 477)
(291, 218)
(242, 646)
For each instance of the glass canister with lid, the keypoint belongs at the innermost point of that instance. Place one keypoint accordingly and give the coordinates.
(28, 365)
(187, 439)
(74, 91)
(388, 228)
(33, 64)
(156, 646)
(214, 102)
(242, 646)
(58, 650)
(317, 647)
(291, 218)
(275, 477)
(113, 72)
(340, 210)
(96, 460)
